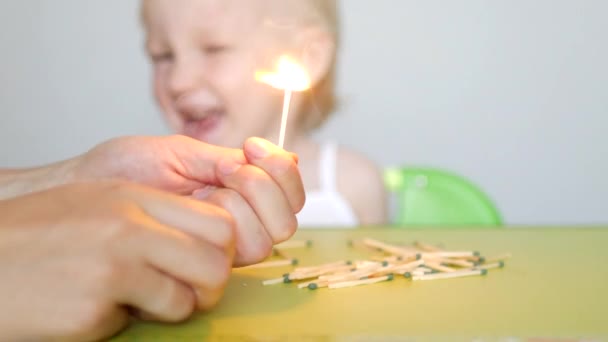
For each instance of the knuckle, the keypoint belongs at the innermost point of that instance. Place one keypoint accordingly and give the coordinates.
(221, 274)
(226, 228)
(178, 304)
(252, 179)
(256, 252)
(228, 199)
(288, 228)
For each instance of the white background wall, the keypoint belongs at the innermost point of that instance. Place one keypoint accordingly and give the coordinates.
(512, 94)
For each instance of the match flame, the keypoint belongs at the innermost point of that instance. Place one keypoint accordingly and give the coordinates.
(289, 75)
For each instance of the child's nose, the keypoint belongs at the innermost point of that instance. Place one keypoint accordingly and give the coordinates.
(187, 75)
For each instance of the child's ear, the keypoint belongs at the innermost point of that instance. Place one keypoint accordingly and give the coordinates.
(317, 52)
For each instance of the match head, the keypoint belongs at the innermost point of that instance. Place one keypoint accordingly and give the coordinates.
(418, 256)
(484, 272)
(348, 262)
(390, 277)
(384, 263)
(501, 264)
(476, 253)
(286, 279)
(294, 262)
(313, 286)
(309, 243)
(482, 260)
(407, 275)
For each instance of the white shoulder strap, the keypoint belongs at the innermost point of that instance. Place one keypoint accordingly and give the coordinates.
(327, 167)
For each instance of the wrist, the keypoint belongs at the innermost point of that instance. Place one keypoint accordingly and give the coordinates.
(18, 182)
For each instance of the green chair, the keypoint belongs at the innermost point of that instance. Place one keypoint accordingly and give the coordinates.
(431, 197)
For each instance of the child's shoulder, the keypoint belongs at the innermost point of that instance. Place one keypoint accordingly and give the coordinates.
(361, 181)
(353, 164)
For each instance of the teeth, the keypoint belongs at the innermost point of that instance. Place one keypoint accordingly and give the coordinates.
(201, 115)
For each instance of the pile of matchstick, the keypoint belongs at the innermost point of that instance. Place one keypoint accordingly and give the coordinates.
(416, 262)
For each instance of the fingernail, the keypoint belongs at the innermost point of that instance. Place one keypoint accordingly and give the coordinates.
(258, 148)
(295, 157)
(228, 167)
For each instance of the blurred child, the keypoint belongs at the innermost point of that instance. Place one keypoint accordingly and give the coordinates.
(205, 55)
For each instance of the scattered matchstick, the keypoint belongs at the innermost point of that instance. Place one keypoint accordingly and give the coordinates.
(499, 264)
(292, 244)
(273, 281)
(456, 274)
(278, 263)
(438, 267)
(497, 258)
(419, 261)
(426, 247)
(344, 284)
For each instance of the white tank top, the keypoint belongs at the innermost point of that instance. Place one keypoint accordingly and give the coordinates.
(326, 207)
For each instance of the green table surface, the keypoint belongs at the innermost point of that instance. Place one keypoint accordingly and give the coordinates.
(554, 286)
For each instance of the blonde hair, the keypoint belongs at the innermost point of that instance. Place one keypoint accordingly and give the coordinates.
(321, 101)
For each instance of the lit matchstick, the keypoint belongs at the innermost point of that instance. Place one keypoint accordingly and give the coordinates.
(289, 77)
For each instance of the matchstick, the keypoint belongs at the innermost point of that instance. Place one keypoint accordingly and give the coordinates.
(456, 274)
(274, 281)
(270, 264)
(322, 266)
(438, 267)
(284, 116)
(344, 284)
(426, 247)
(435, 255)
(386, 247)
(292, 244)
(497, 258)
(320, 273)
(499, 264)
(456, 262)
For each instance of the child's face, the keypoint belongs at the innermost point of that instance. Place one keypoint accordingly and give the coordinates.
(205, 55)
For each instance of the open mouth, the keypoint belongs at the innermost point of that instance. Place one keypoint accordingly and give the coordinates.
(203, 128)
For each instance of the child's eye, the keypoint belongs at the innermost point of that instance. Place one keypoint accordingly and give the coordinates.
(215, 49)
(161, 57)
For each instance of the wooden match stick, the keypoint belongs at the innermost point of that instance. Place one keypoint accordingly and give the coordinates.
(499, 264)
(314, 284)
(270, 264)
(497, 258)
(420, 271)
(344, 284)
(464, 254)
(322, 266)
(281, 253)
(456, 274)
(385, 247)
(456, 262)
(358, 273)
(322, 272)
(292, 244)
(438, 267)
(403, 267)
(274, 281)
(426, 247)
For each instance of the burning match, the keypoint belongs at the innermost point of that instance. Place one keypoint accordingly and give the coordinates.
(289, 76)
